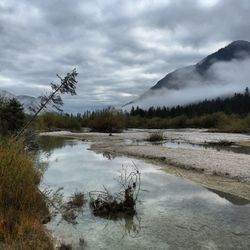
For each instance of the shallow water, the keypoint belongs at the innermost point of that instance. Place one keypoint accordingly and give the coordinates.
(182, 144)
(233, 148)
(173, 213)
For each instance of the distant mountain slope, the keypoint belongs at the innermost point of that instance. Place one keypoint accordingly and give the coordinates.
(6, 94)
(214, 70)
(27, 101)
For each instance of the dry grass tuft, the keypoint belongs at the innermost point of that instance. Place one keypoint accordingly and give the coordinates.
(77, 200)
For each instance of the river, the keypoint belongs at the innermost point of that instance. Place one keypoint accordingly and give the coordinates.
(172, 212)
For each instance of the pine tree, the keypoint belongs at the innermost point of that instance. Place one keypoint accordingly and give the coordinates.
(12, 116)
(67, 85)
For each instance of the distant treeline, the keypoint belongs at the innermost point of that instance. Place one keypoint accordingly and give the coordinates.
(106, 120)
(53, 121)
(231, 114)
(237, 104)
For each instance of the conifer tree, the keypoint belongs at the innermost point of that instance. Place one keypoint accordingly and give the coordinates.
(67, 85)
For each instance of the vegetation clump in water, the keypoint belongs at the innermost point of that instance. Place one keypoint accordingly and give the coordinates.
(68, 210)
(77, 200)
(105, 203)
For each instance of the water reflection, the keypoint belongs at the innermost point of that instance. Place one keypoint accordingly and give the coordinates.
(129, 224)
(236, 200)
(49, 143)
(233, 148)
(132, 226)
(108, 155)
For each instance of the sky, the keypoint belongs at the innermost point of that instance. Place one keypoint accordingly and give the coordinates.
(119, 48)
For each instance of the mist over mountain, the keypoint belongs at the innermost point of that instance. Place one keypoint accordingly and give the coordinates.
(219, 74)
(28, 102)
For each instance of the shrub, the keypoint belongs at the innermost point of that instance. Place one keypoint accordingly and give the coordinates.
(108, 121)
(178, 122)
(52, 121)
(207, 121)
(156, 136)
(247, 122)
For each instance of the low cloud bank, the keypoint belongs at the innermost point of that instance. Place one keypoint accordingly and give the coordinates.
(222, 79)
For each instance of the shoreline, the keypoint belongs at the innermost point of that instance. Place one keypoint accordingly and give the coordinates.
(206, 167)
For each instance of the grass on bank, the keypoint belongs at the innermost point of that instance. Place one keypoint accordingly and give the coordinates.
(22, 208)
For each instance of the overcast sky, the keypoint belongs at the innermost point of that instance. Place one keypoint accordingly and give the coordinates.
(120, 48)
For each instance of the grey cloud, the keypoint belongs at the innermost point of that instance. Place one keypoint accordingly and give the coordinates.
(120, 48)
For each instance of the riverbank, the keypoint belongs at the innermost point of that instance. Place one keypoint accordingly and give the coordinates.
(222, 170)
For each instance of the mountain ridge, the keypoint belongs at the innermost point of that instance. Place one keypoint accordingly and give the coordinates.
(200, 72)
(235, 50)
(28, 102)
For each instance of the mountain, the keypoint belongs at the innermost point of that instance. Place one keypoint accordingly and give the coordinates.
(28, 102)
(6, 94)
(209, 72)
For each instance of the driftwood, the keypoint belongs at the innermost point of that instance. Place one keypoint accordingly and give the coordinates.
(105, 203)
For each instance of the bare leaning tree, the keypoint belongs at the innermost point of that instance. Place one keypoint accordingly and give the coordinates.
(53, 99)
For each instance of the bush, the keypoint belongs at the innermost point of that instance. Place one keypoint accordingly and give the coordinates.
(108, 121)
(247, 122)
(52, 121)
(220, 120)
(156, 136)
(179, 121)
(207, 121)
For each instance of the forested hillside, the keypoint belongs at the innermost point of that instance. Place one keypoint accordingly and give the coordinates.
(239, 103)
